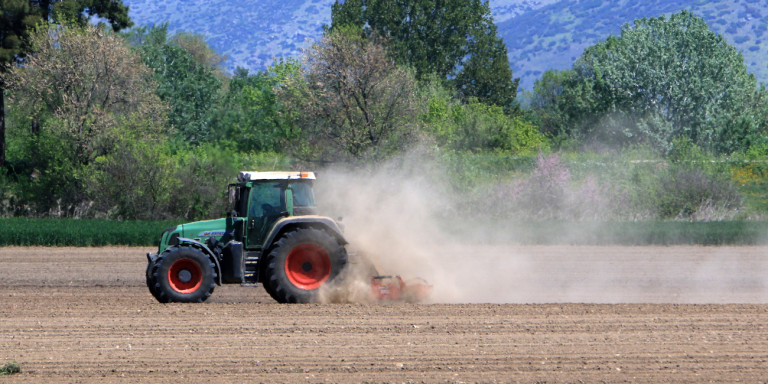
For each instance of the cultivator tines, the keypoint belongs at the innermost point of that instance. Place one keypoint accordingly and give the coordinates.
(393, 288)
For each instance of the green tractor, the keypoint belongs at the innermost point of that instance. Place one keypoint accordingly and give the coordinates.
(273, 237)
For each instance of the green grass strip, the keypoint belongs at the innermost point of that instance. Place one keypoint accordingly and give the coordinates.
(93, 233)
(80, 233)
(621, 233)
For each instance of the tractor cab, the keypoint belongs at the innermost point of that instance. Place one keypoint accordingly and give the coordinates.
(260, 199)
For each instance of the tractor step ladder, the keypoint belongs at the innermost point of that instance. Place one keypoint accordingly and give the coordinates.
(251, 272)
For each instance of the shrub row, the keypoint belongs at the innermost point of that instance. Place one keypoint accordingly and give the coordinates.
(622, 233)
(80, 233)
(88, 233)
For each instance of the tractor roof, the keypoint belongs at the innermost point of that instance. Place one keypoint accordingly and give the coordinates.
(248, 175)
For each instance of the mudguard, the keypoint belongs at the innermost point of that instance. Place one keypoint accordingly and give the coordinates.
(320, 222)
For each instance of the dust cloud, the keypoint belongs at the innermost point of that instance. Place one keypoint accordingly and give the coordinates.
(402, 216)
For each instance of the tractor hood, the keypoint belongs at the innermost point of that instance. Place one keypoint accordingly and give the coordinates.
(202, 230)
(198, 230)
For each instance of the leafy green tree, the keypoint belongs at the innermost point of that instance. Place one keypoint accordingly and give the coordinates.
(134, 181)
(141, 179)
(560, 101)
(190, 87)
(80, 11)
(486, 75)
(455, 39)
(476, 126)
(661, 79)
(250, 117)
(18, 18)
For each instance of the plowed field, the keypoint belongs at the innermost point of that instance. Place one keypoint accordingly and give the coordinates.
(656, 314)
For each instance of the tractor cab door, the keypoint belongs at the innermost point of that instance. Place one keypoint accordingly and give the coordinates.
(266, 205)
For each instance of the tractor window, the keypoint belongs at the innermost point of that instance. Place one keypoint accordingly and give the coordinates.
(302, 194)
(266, 200)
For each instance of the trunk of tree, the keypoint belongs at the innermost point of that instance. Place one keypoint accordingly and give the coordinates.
(45, 7)
(36, 126)
(2, 127)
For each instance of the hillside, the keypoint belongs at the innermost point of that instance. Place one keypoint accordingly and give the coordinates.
(540, 34)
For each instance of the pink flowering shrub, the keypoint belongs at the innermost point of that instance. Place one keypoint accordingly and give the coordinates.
(628, 192)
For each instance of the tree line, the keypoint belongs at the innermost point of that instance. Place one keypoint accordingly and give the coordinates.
(106, 121)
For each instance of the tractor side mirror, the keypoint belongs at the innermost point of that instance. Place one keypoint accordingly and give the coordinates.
(232, 195)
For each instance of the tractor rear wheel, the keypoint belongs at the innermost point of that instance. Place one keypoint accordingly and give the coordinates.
(183, 274)
(300, 263)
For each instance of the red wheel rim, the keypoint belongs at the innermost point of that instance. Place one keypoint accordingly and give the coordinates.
(185, 276)
(308, 266)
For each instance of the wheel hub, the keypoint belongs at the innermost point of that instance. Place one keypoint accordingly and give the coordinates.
(308, 266)
(185, 276)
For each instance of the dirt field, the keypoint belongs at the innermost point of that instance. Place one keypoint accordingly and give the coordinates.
(84, 315)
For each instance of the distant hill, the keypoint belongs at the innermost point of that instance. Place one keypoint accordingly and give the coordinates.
(540, 34)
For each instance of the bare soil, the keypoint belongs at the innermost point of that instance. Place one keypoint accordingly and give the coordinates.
(84, 315)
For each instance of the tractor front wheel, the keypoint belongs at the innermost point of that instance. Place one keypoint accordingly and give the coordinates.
(183, 274)
(151, 284)
(301, 262)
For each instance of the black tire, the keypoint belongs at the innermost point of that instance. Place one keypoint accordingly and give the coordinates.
(183, 274)
(265, 280)
(300, 263)
(151, 284)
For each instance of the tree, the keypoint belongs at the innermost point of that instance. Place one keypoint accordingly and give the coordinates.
(561, 102)
(196, 45)
(455, 39)
(80, 11)
(89, 80)
(250, 117)
(486, 75)
(476, 126)
(18, 18)
(661, 79)
(353, 102)
(86, 85)
(190, 87)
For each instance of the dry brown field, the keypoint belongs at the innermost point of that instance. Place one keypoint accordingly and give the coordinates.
(559, 314)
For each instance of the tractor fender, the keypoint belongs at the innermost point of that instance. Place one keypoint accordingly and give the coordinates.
(194, 243)
(320, 222)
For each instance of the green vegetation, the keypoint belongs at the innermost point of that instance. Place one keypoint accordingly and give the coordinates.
(653, 84)
(352, 100)
(9, 369)
(661, 123)
(631, 186)
(20, 18)
(456, 40)
(80, 233)
(89, 233)
(624, 233)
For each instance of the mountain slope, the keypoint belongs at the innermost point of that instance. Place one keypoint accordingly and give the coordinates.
(540, 34)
